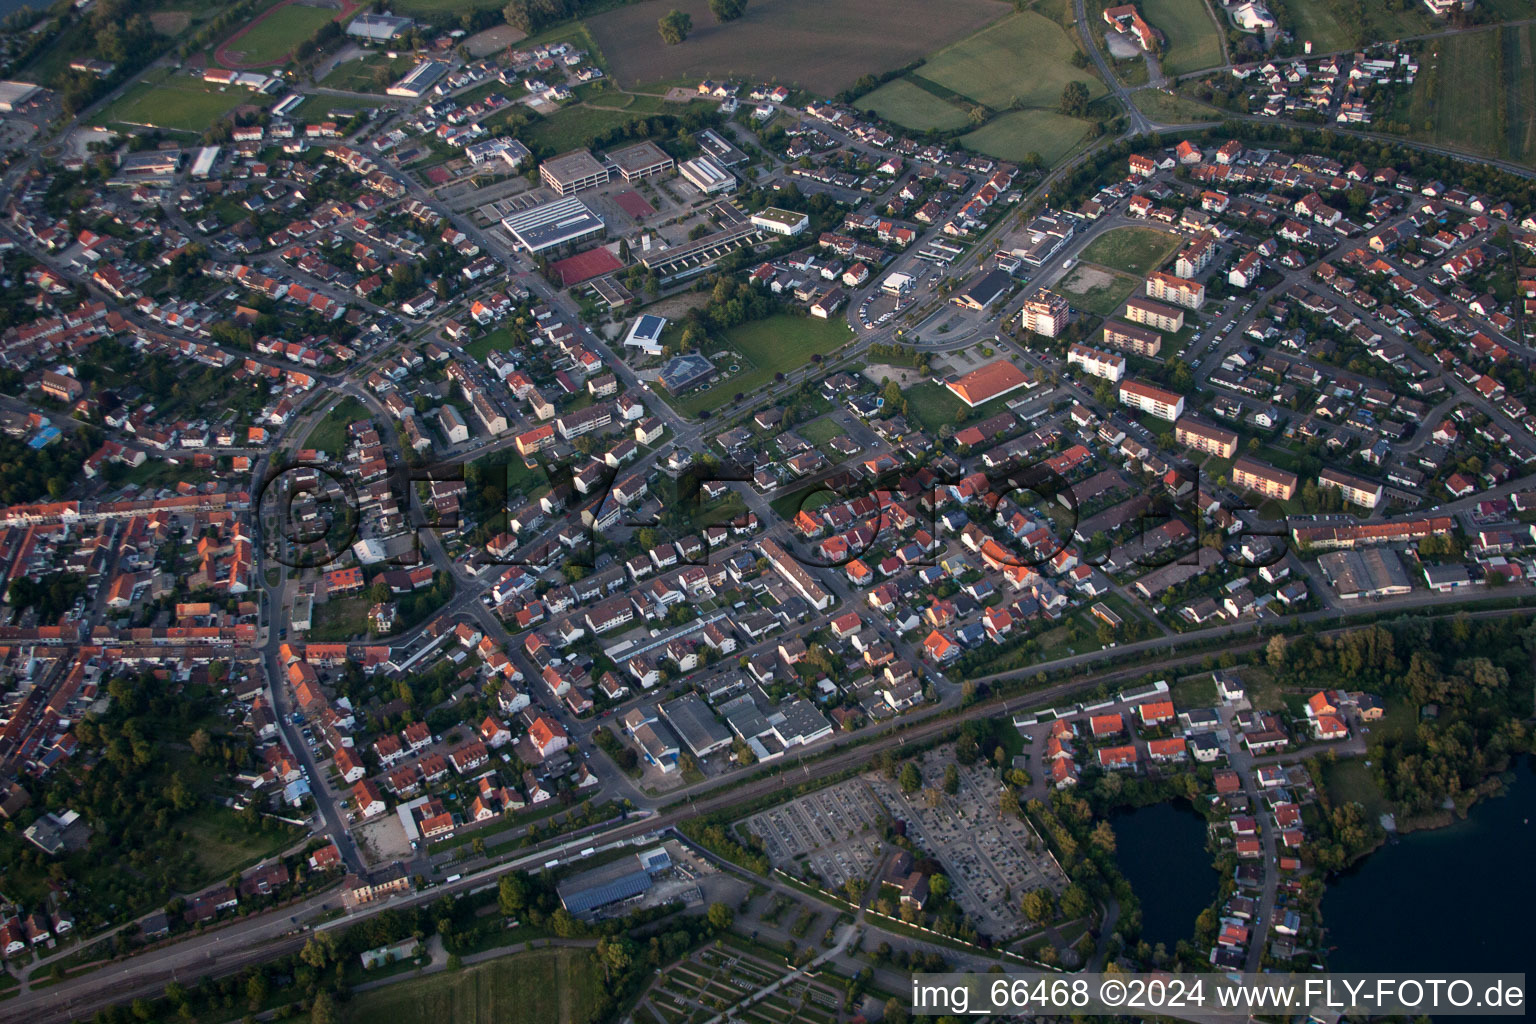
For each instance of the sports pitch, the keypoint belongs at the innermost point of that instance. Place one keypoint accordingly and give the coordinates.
(1131, 250)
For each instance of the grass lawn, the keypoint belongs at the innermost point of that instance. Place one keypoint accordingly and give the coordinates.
(1318, 21)
(275, 36)
(340, 619)
(933, 405)
(913, 106)
(330, 434)
(372, 73)
(1025, 58)
(762, 348)
(1349, 781)
(1095, 290)
(1192, 42)
(555, 986)
(1194, 691)
(178, 103)
(319, 108)
(573, 127)
(819, 432)
(499, 340)
(1132, 250)
(1019, 134)
(1165, 109)
(225, 845)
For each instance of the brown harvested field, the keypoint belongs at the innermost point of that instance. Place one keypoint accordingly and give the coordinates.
(819, 45)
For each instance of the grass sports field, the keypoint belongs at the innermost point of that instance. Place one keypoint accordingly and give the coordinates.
(1476, 92)
(762, 348)
(272, 38)
(796, 42)
(1019, 133)
(179, 103)
(911, 105)
(1096, 290)
(1024, 59)
(1192, 42)
(1131, 250)
(555, 986)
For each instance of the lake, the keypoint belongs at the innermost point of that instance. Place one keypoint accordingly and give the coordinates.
(1161, 851)
(1459, 898)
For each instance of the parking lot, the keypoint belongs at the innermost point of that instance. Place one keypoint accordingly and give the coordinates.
(835, 831)
(991, 859)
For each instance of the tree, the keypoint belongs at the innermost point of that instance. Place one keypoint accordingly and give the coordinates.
(951, 779)
(977, 114)
(324, 1009)
(727, 10)
(512, 894)
(200, 742)
(1037, 906)
(674, 27)
(319, 950)
(910, 778)
(1074, 99)
(720, 916)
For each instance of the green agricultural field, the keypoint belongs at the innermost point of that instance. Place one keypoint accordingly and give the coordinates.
(1475, 92)
(762, 348)
(1097, 290)
(914, 107)
(178, 103)
(1132, 250)
(1165, 109)
(555, 986)
(1019, 133)
(1332, 26)
(373, 73)
(1023, 60)
(1191, 39)
(274, 37)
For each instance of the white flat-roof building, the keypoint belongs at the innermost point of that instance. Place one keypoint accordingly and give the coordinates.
(704, 174)
(645, 334)
(14, 95)
(420, 80)
(553, 224)
(780, 222)
(896, 284)
(378, 28)
(202, 166)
